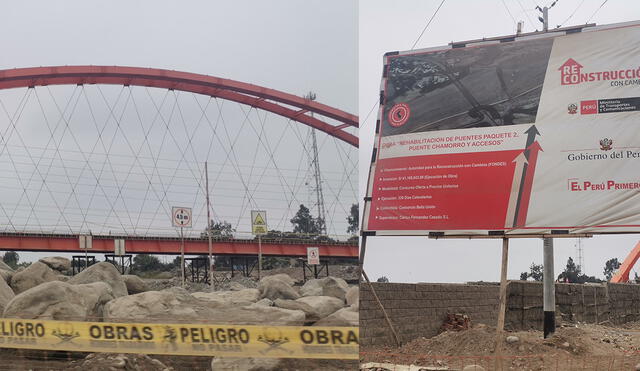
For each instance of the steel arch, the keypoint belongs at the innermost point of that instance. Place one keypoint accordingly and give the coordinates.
(255, 96)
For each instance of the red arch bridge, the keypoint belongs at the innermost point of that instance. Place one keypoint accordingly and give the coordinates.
(53, 211)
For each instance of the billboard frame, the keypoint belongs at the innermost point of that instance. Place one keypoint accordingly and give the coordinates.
(475, 233)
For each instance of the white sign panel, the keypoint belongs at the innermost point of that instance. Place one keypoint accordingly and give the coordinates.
(313, 256)
(181, 217)
(118, 247)
(86, 242)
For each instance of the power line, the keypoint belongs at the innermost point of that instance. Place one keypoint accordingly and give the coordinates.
(525, 12)
(597, 10)
(572, 14)
(508, 11)
(427, 25)
(364, 122)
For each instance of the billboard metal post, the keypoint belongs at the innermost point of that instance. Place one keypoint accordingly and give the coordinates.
(549, 289)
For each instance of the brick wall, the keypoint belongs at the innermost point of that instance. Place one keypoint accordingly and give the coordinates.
(418, 310)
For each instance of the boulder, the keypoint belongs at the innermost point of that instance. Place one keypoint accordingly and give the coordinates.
(473, 367)
(32, 276)
(264, 302)
(135, 284)
(312, 287)
(102, 272)
(512, 339)
(323, 305)
(245, 364)
(4, 266)
(61, 301)
(353, 296)
(57, 263)
(6, 294)
(277, 289)
(311, 315)
(115, 361)
(343, 317)
(177, 305)
(6, 275)
(242, 297)
(236, 286)
(336, 287)
(280, 277)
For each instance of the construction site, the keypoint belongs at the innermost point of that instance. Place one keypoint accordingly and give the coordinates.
(48, 290)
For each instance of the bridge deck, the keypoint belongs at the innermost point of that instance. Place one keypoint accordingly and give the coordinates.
(170, 245)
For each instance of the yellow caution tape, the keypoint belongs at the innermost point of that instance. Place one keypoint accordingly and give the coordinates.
(182, 339)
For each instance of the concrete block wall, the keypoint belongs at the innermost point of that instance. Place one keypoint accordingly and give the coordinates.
(624, 302)
(418, 310)
(574, 302)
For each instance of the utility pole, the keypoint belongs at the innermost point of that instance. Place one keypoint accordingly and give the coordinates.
(315, 164)
(580, 255)
(544, 19)
(206, 177)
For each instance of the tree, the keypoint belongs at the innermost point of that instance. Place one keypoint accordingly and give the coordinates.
(353, 220)
(11, 258)
(147, 263)
(610, 267)
(383, 279)
(303, 222)
(573, 274)
(536, 272)
(219, 229)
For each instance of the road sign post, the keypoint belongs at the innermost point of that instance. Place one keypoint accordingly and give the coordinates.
(259, 227)
(86, 242)
(181, 218)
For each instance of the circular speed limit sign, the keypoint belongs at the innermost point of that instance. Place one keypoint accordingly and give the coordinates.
(181, 217)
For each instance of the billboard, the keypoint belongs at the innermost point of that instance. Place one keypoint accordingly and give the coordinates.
(538, 134)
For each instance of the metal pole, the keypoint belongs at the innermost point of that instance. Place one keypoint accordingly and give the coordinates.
(545, 17)
(182, 254)
(549, 289)
(206, 177)
(259, 257)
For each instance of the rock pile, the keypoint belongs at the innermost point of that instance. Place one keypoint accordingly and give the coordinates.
(44, 290)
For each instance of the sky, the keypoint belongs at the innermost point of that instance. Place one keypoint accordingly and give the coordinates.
(390, 26)
(288, 45)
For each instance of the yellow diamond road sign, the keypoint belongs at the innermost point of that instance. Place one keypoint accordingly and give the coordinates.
(259, 221)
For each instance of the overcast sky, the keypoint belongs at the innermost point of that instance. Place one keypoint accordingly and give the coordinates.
(290, 45)
(390, 26)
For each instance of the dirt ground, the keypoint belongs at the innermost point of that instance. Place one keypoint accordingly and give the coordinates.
(576, 347)
(14, 359)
